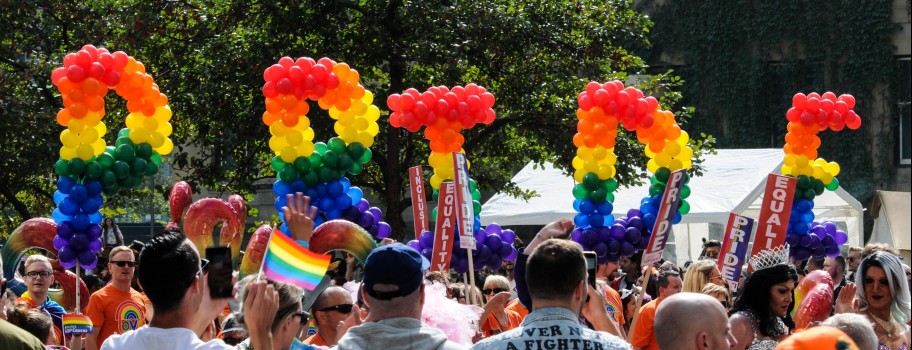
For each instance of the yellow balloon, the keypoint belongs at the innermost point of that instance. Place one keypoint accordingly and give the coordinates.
(288, 154)
(294, 138)
(348, 135)
(85, 152)
(133, 122)
(88, 136)
(817, 171)
(276, 144)
(373, 113)
(686, 153)
(67, 153)
(98, 147)
(373, 128)
(790, 160)
(610, 159)
(662, 159)
(149, 124)
(359, 107)
(139, 136)
(76, 126)
(91, 119)
(165, 148)
(166, 129)
(675, 164)
(305, 149)
(435, 181)
(445, 173)
(672, 149)
(785, 169)
(686, 163)
(649, 153)
(368, 97)
(578, 176)
(162, 114)
(368, 140)
(833, 168)
(156, 139)
(578, 163)
(591, 166)
(683, 139)
(101, 128)
(69, 138)
(308, 134)
(334, 112)
(652, 166)
(605, 172)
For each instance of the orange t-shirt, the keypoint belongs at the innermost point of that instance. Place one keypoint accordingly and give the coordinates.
(518, 307)
(614, 305)
(315, 340)
(114, 311)
(644, 333)
(492, 327)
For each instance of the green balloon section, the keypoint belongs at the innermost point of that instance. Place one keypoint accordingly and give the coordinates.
(123, 165)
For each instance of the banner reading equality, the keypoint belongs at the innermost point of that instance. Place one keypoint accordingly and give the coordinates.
(445, 227)
(775, 212)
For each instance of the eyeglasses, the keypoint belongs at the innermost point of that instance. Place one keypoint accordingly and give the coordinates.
(125, 263)
(341, 308)
(306, 316)
(36, 274)
(487, 291)
(204, 267)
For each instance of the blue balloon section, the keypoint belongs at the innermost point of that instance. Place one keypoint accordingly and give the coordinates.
(78, 222)
(807, 237)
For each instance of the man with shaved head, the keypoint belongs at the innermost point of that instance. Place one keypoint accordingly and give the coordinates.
(677, 329)
(331, 307)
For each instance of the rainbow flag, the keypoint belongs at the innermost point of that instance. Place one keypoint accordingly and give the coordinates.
(289, 262)
(76, 324)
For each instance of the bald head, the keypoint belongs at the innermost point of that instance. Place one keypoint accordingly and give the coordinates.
(675, 319)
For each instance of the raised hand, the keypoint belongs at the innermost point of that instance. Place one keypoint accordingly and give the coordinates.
(300, 215)
(845, 302)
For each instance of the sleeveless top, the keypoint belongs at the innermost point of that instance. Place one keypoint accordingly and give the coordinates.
(881, 346)
(757, 343)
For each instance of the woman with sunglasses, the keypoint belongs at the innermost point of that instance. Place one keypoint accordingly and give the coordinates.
(290, 318)
(881, 294)
(720, 293)
(496, 318)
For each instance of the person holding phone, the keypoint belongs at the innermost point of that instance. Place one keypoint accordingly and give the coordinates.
(117, 308)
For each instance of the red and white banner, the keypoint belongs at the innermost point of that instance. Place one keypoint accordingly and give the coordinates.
(664, 218)
(775, 212)
(732, 257)
(445, 227)
(419, 205)
(464, 202)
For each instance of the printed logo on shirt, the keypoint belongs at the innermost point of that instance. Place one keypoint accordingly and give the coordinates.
(129, 316)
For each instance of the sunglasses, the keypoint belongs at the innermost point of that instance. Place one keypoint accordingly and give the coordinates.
(487, 291)
(341, 308)
(725, 304)
(125, 263)
(36, 274)
(306, 316)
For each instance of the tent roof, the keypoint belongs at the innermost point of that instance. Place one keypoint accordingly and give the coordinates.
(732, 182)
(892, 209)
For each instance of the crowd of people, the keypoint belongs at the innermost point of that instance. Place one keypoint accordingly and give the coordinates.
(158, 298)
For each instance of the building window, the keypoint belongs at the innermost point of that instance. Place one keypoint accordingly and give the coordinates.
(904, 111)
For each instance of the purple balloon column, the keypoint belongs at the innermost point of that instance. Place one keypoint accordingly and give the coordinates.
(493, 244)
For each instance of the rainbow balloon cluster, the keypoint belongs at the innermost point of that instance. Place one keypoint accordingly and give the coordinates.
(87, 166)
(602, 108)
(318, 169)
(822, 240)
(809, 115)
(445, 113)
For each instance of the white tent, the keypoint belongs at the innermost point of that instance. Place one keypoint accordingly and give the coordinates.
(892, 222)
(733, 181)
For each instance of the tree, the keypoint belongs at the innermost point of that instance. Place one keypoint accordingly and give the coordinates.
(208, 57)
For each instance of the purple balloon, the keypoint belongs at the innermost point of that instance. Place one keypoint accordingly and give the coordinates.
(832, 251)
(427, 252)
(508, 236)
(425, 240)
(87, 259)
(352, 213)
(815, 242)
(589, 237)
(819, 252)
(604, 233)
(65, 230)
(577, 235)
(414, 244)
(805, 242)
(601, 249)
(505, 249)
(627, 249)
(632, 213)
(480, 236)
(484, 253)
(384, 230)
(458, 251)
(60, 242)
(840, 237)
(493, 242)
(802, 253)
(819, 231)
(828, 241)
(94, 231)
(632, 235)
(67, 257)
(636, 222)
(378, 215)
(617, 232)
(79, 241)
(512, 255)
(363, 205)
(614, 247)
(495, 264)
(793, 240)
(460, 265)
(493, 229)
(95, 245)
(830, 227)
(365, 220)
(612, 257)
(622, 221)
(642, 244)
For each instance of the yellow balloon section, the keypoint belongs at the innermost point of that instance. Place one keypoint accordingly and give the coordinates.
(335, 87)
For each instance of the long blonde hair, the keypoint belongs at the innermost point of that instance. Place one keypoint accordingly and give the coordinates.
(698, 275)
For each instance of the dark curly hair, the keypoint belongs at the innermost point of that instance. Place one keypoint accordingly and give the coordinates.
(755, 296)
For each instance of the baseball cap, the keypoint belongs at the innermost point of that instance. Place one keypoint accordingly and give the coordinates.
(397, 265)
(818, 338)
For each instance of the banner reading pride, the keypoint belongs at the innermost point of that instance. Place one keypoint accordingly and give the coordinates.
(738, 233)
(664, 218)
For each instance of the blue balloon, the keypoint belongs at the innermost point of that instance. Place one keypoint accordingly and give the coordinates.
(79, 193)
(581, 220)
(80, 222)
(576, 205)
(299, 185)
(91, 205)
(65, 184)
(356, 194)
(281, 188)
(607, 220)
(318, 221)
(284, 228)
(334, 188)
(94, 187)
(58, 197)
(343, 201)
(346, 184)
(326, 204)
(677, 218)
(649, 219)
(69, 207)
(477, 224)
(59, 217)
(604, 208)
(95, 218)
(322, 190)
(586, 207)
(334, 214)
(596, 220)
(312, 193)
(808, 217)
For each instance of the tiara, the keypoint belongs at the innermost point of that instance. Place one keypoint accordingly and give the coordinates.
(770, 257)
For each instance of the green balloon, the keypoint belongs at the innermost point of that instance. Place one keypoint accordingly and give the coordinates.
(809, 194)
(476, 207)
(328, 174)
(610, 185)
(124, 153)
(106, 160)
(685, 192)
(62, 168)
(336, 144)
(610, 197)
(832, 186)
(277, 163)
(122, 141)
(655, 189)
(818, 187)
(316, 161)
(320, 147)
(356, 169)
(123, 133)
(151, 169)
(109, 150)
(108, 179)
(134, 181)
(434, 214)
(138, 166)
(476, 195)
(803, 182)
(598, 196)
(662, 174)
(121, 170)
(684, 208)
(345, 163)
(288, 174)
(473, 185)
(302, 164)
(76, 166)
(331, 159)
(355, 150)
(580, 192)
(93, 170)
(144, 150)
(156, 158)
(311, 178)
(366, 157)
(591, 181)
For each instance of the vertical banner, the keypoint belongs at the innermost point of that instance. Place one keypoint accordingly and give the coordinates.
(464, 201)
(734, 248)
(445, 227)
(775, 212)
(419, 206)
(664, 218)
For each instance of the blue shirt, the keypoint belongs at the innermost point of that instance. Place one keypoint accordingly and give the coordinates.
(551, 329)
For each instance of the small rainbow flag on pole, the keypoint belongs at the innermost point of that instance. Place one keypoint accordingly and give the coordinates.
(76, 324)
(287, 261)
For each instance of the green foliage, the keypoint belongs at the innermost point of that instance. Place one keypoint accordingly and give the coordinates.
(743, 61)
(208, 57)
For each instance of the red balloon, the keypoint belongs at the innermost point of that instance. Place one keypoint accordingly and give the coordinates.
(76, 73)
(799, 100)
(848, 99)
(585, 102)
(393, 102)
(286, 62)
(813, 105)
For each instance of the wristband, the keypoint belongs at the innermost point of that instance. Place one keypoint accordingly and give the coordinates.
(303, 243)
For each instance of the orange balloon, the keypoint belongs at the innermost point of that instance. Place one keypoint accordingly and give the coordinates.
(269, 118)
(578, 140)
(273, 105)
(585, 126)
(64, 117)
(289, 102)
(95, 103)
(78, 110)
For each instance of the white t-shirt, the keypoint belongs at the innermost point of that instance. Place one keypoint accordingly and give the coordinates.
(161, 338)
